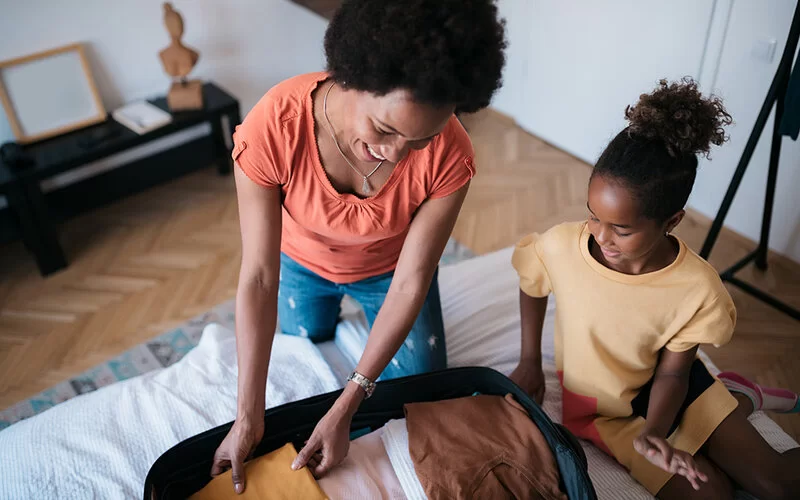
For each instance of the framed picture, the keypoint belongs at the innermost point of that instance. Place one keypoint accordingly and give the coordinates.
(49, 93)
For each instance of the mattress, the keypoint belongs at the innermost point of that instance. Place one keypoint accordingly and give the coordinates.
(102, 444)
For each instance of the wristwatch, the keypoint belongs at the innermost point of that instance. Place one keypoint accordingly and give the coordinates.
(365, 383)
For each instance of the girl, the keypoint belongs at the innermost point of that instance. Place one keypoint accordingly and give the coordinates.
(634, 304)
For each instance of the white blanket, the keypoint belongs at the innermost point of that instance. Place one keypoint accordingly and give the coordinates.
(481, 315)
(102, 444)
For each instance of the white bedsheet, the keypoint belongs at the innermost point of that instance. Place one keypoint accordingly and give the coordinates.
(481, 315)
(102, 444)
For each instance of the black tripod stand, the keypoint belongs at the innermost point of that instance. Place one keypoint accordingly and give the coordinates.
(776, 95)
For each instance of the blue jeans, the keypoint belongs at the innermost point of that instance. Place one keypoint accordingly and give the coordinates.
(309, 306)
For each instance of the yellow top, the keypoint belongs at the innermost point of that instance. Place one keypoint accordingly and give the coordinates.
(611, 326)
(269, 477)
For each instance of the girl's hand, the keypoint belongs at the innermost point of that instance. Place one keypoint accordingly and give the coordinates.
(529, 376)
(328, 444)
(661, 454)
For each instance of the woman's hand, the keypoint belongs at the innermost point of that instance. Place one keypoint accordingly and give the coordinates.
(529, 376)
(240, 442)
(661, 454)
(328, 444)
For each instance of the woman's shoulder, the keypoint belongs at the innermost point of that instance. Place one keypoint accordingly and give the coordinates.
(287, 99)
(453, 139)
(446, 164)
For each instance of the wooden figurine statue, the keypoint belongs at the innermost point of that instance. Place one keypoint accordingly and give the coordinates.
(178, 61)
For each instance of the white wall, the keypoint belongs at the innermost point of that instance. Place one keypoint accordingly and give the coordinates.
(743, 80)
(245, 46)
(575, 65)
(587, 60)
(517, 14)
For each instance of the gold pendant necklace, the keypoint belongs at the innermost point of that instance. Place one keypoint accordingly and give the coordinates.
(365, 186)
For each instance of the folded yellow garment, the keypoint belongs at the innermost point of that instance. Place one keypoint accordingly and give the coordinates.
(268, 477)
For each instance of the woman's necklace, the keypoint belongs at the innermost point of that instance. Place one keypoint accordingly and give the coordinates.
(365, 187)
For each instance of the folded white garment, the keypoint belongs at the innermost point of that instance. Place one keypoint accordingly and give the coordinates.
(395, 440)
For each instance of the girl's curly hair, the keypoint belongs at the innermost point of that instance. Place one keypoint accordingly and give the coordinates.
(656, 155)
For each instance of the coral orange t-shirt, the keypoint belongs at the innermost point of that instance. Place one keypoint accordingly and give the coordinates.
(341, 237)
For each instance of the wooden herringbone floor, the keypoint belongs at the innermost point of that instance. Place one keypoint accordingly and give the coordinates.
(154, 260)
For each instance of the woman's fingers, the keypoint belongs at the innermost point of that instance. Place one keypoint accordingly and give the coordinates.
(315, 460)
(238, 475)
(220, 466)
(323, 466)
(309, 450)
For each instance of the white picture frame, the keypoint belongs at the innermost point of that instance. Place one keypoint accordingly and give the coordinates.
(49, 93)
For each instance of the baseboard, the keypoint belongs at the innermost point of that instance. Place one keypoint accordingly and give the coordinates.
(742, 240)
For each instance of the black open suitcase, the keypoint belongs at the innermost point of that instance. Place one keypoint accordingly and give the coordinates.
(184, 469)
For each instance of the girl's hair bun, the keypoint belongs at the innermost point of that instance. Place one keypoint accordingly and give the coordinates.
(678, 115)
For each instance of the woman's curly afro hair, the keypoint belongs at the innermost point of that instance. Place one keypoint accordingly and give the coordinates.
(445, 52)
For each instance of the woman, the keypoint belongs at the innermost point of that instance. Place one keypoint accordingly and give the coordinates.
(350, 182)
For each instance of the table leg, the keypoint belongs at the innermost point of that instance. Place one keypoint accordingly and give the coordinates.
(222, 131)
(49, 254)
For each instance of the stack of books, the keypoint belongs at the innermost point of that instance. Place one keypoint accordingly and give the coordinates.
(141, 116)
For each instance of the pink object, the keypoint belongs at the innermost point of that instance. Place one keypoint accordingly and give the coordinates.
(764, 398)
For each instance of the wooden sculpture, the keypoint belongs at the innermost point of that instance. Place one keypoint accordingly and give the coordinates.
(178, 61)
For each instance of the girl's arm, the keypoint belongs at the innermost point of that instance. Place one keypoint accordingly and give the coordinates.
(670, 386)
(528, 374)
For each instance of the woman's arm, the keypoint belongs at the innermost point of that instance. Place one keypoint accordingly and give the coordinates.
(257, 292)
(427, 237)
(256, 316)
(423, 247)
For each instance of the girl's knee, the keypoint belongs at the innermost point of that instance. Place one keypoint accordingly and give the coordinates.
(776, 485)
(719, 485)
(775, 477)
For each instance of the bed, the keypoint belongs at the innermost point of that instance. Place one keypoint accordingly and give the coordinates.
(102, 444)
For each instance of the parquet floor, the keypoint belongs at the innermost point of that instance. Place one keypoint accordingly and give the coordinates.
(150, 262)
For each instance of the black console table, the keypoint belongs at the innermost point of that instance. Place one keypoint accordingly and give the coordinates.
(37, 213)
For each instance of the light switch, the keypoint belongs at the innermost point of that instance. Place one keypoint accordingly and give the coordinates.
(764, 49)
